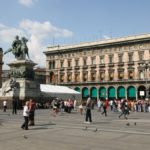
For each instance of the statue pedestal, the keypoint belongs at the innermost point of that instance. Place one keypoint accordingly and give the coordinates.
(25, 87)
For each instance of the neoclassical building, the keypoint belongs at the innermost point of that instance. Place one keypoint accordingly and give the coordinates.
(113, 68)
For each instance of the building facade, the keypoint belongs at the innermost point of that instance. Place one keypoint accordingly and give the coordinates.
(40, 75)
(114, 68)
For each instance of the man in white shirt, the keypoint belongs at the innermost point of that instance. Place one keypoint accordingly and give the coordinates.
(26, 116)
(4, 105)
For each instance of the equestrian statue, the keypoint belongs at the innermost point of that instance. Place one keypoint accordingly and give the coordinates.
(19, 48)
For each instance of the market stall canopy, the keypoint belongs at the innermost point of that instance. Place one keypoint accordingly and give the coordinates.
(63, 92)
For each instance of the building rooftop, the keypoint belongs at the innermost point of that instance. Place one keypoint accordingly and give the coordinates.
(100, 42)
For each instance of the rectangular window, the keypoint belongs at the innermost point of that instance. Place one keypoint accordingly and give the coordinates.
(130, 57)
(77, 62)
(61, 64)
(93, 76)
(69, 63)
(120, 56)
(110, 58)
(102, 60)
(61, 78)
(51, 64)
(84, 61)
(85, 76)
(77, 77)
(141, 55)
(93, 61)
(141, 75)
(69, 77)
(130, 74)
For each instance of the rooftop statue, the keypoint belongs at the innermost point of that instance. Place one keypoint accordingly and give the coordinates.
(19, 48)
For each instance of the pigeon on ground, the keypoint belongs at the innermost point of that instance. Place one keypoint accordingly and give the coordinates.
(135, 123)
(95, 130)
(25, 137)
(85, 128)
(128, 124)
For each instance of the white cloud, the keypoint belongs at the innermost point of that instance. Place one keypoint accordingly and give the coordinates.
(45, 29)
(7, 33)
(106, 37)
(38, 33)
(27, 3)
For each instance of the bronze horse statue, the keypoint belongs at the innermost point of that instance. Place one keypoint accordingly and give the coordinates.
(19, 48)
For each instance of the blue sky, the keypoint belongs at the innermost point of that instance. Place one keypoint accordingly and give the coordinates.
(48, 22)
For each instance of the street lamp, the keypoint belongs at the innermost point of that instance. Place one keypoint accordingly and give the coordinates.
(146, 67)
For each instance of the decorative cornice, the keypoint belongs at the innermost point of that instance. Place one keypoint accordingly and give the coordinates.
(102, 43)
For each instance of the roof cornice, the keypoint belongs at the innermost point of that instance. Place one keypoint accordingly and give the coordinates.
(100, 43)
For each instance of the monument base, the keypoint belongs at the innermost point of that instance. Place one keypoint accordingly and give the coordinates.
(24, 86)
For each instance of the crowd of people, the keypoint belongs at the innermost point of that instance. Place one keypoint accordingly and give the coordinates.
(57, 105)
(133, 105)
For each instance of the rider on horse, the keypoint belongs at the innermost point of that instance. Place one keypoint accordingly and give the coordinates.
(19, 48)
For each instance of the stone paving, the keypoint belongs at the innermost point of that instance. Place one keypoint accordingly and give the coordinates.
(69, 132)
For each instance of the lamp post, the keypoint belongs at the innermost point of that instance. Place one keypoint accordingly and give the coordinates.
(146, 66)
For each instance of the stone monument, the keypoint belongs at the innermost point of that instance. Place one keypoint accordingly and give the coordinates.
(21, 84)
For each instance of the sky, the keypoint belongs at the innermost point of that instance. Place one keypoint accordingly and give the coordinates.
(51, 22)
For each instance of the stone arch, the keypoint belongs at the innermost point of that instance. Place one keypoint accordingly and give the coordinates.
(93, 93)
(77, 89)
(121, 92)
(52, 77)
(85, 92)
(141, 92)
(111, 93)
(102, 93)
(131, 93)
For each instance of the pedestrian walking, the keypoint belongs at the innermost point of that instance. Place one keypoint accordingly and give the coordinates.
(4, 106)
(125, 109)
(81, 108)
(26, 116)
(32, 107)
(88, 118)
(75, 104)
(55, 107)
(14, 105)
(104, 105)
(99, 103)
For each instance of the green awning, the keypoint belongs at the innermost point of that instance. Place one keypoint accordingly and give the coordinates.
(85, 92)
(102, 92)
(111, 92)
(121, 92)
(94, 92)
(131, 92)
(77, 89)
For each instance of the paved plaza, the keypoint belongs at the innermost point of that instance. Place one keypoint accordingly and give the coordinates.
(69, 132)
